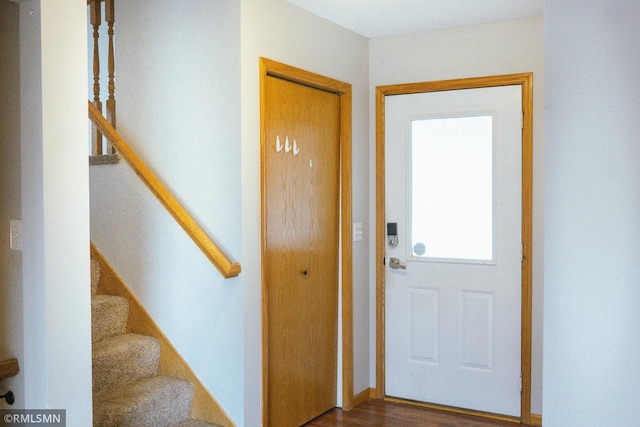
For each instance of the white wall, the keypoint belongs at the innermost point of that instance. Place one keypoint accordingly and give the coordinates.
(10, 198)
(592, 240)
(280, 31)
(55, 209)
(490, 49)
(177, 91)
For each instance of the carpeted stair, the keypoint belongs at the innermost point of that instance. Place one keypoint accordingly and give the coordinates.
(127, 390)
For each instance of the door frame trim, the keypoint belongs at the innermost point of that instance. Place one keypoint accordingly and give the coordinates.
(526, 81)
(276, 69)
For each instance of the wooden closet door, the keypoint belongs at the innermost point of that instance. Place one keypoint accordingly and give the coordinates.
(301, 239)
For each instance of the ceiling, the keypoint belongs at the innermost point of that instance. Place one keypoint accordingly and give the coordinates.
(381, 18)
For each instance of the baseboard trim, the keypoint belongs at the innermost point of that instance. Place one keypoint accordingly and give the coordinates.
(363, 396)
(536, 420)
(205, 406)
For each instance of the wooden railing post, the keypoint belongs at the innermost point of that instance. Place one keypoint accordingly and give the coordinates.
(95, 16)
(109, 16)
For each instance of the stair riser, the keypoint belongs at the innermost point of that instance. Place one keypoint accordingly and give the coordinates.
(167, 403)
(95, 276)
(108, 316)
(124, 359)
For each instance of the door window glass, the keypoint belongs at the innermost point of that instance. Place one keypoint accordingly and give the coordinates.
(451, 181)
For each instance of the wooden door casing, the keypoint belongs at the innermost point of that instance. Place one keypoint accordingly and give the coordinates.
(526, 80)
(301, 241)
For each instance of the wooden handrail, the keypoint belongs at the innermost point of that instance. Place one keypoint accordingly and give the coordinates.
(218, 259)
(9, 368)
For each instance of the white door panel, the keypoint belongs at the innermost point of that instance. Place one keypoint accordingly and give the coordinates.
(453, 323)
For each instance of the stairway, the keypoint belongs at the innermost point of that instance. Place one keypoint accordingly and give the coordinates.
(127, 390)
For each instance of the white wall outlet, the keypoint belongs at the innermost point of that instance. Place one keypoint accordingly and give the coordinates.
(358, 231)
(15, 234)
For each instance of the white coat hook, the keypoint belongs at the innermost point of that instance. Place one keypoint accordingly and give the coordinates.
(278, 144)
(296, 150)
(287, 146)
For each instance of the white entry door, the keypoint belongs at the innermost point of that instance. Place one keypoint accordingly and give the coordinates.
(453, 162)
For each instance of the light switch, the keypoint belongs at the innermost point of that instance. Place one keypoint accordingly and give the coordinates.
(15, 234)
(358, 231)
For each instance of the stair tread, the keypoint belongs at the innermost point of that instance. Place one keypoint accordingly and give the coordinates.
(109, 315)
(103, 297)
(156, 401)
(195, 423)
(122, 359)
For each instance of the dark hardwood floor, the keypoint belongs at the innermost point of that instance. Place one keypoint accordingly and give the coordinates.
(391, 414)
